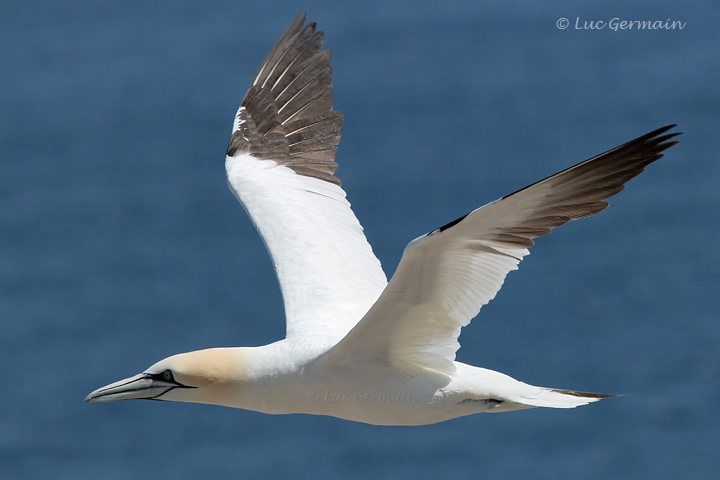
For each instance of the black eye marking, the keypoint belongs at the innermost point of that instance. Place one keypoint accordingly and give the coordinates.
(168, 377)
(165, 376)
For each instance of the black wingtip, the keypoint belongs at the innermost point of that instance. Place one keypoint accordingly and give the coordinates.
(300, 18)
(660, 131)
(286, 115)
(660, 141)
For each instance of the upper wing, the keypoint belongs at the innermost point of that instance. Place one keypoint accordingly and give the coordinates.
(446, 276)
(280, 165)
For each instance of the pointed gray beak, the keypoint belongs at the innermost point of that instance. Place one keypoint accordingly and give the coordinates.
(143, 385)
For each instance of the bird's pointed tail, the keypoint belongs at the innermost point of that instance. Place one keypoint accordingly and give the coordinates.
(559, 398)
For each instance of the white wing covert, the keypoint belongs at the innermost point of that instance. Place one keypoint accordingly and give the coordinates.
(280, 165)
(446, 276)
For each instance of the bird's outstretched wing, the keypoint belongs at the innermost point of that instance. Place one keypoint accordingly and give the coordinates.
(446, 276)
(280, 165)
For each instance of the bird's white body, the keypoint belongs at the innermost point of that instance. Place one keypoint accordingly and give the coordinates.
(356, 346)
(289, 377)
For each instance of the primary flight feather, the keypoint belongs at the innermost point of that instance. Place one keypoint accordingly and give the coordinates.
(356, 346)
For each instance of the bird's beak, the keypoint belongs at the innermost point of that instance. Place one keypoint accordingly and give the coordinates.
(139, 386)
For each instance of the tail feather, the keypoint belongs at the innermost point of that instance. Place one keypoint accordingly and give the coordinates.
(575, 393)
(497, 392)
(558, 398)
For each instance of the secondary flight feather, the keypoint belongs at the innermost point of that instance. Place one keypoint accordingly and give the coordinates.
(351, 335)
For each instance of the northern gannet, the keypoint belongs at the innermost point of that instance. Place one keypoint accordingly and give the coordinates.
(358, 347)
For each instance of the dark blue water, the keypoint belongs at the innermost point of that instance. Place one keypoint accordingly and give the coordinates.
(120, 243)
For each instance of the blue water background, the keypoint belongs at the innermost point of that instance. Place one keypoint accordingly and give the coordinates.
(120, 243)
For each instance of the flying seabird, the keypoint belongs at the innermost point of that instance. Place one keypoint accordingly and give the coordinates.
(356, 346)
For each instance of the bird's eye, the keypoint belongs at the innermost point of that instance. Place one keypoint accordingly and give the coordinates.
(167, 376)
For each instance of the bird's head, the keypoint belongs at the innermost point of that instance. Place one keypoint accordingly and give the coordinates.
(201, 377)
